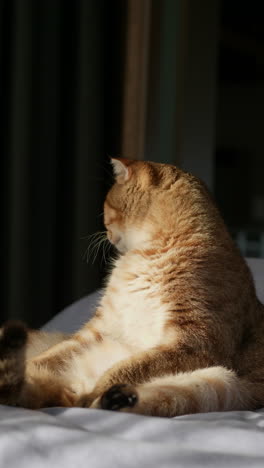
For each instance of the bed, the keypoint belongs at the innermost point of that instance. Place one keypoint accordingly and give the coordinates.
(76, 437)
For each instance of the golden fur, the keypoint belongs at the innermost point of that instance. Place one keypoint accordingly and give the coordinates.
(179, 328)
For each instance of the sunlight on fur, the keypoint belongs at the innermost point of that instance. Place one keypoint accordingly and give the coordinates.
(179, 328)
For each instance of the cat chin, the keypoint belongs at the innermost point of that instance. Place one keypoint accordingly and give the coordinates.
(117, 243)
(120, 247)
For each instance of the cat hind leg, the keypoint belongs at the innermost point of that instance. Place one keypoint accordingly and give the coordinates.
(13, 340)
(22, 382)
(203, 390)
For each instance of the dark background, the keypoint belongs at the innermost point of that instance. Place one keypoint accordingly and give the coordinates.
(60, 102)
(62, 84)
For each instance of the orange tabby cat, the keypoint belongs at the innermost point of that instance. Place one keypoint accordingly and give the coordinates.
(179, 328)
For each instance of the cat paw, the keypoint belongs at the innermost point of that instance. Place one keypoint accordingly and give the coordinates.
(118, 397)
(13, 337)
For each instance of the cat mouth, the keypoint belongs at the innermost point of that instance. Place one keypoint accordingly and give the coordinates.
(113, 238)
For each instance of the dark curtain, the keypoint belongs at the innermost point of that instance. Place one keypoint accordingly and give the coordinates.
(61, 90)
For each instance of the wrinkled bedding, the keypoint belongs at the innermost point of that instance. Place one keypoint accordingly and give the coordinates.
(92, 438)
(76, 437)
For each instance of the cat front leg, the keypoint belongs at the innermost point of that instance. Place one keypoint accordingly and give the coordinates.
(59, 356)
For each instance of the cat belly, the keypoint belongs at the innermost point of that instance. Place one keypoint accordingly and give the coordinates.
(134, 314)
(86, 368)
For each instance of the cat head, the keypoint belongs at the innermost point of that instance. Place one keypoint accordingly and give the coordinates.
(136, 207)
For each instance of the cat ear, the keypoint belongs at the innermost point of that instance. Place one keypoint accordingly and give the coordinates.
(122, 169)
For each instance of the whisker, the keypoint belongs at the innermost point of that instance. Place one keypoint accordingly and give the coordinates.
(92, 248)
(94, 234)
(97, 247)
(95, 239)
(106, 249)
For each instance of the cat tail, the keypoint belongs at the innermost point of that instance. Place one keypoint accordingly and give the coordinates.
(13, 340)
(199, 391)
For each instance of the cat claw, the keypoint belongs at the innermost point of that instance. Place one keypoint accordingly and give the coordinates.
(118, 397)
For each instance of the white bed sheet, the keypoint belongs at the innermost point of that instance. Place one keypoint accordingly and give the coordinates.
(75, 437)
(104, 439)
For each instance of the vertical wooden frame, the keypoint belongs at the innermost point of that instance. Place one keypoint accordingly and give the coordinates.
(136, 78)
